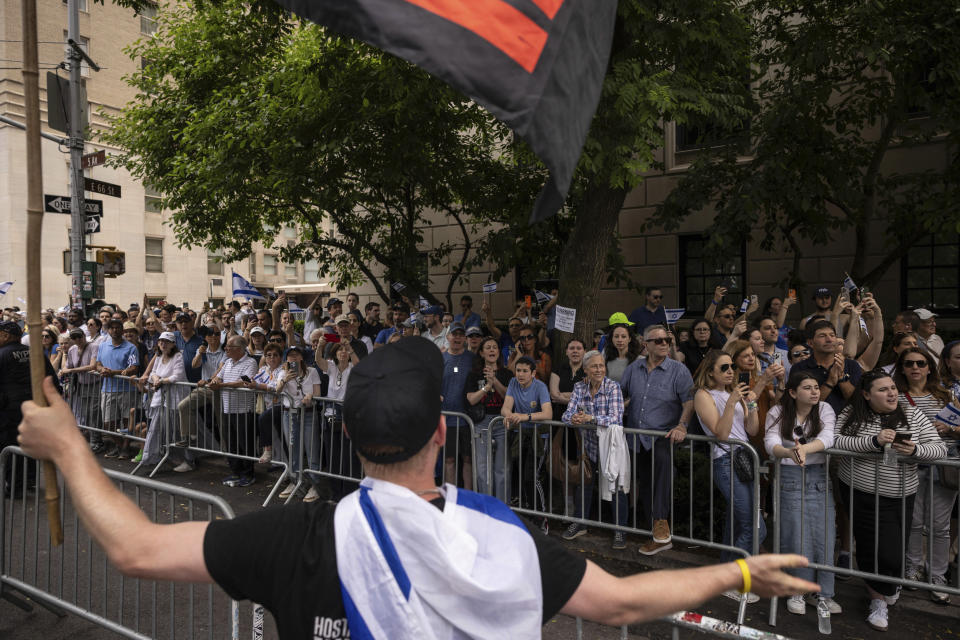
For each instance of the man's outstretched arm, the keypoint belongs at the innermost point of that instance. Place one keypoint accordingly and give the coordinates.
(642, 597)
(134, 544)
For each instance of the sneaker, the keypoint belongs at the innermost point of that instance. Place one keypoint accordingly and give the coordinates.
(652, 547)
(877, 620)
(231, 481)
(796, 605)
(832, 605)
(97, 447)
(112, 452)
(184, 467)
(661, 531)
(266, 457)
(245, 481)
(914, 575)
(733, 594)
(939, 597)
(574, 531)
(619, 540)
(312, 495)
(892, 600)
(137, 458)
(125, 453)
(843, 562)
(287, 491)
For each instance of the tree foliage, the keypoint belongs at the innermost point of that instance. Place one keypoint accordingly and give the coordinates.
(245, 121)
(844, 92)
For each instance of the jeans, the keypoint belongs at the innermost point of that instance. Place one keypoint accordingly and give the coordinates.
(583, 499)
(296, 423)
(940, 502)
(740, 508)
(808, 521)
(498, 453)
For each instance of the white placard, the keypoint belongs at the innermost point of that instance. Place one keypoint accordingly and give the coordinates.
(566, 318)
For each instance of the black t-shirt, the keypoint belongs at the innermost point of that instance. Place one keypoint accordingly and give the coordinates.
(567, 381)
(285, 558)
(493, 401)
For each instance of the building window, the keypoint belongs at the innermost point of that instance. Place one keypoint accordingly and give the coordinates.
(81, 4)
(700, 275)
(253, 266)
(151, 200)
(154, 255)
(148, 19)
(269, 264)
(290, 270)
(311, 271)
(214, 263)
(931, 275)
(289, 232)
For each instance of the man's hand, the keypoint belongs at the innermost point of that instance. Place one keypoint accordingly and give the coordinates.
(718, 294)
(677, 434)
(836, 370)
(48, 433)
(767, 578)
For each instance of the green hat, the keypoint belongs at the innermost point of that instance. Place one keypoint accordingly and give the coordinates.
(619, 318)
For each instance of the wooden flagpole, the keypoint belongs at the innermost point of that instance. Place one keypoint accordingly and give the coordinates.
(31, 93)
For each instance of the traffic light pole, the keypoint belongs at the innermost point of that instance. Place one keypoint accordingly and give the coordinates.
(78, 221)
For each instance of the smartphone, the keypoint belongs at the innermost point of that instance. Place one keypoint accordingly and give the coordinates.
(186, 305)
(527, 301)
(902, 435)
(792, 293)
(776, 357)
(245, 378)
(754, 300)
(864, 292)
(332, 337)
(744, 378)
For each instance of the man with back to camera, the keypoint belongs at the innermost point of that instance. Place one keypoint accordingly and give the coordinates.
(447, 562)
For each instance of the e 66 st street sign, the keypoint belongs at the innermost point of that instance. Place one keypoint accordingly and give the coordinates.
(103, 188)
(61, 204)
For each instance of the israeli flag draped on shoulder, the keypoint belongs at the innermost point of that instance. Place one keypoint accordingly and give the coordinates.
(242, 288)
(410, 570)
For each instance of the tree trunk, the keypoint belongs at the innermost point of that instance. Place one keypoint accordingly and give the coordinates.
(583, 267)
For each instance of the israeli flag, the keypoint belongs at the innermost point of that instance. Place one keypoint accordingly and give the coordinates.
(398, 286)
(744, 305)
(673, 315)
(490, 287)
(848, 283)
(542, 298)
(424, 303)
(4, 287)
(293, 307)
(243, 288)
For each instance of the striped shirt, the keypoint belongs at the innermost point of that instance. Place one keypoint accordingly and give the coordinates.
(872, 475)
(929, 406)
(237, 401)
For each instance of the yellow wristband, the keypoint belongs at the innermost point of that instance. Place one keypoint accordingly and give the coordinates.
(745, 570)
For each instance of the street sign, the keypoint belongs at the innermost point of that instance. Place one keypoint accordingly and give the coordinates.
(61, 204)
(92, 224)
(103, 188)
(94, 159)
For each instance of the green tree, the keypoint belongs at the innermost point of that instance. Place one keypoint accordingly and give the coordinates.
(245, 122)
(844, 92)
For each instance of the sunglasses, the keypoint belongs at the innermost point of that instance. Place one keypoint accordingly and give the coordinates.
(726, 367)
(798, 431)
(275, 340)
(661, 341)
(725, 316)
(919, 364)
(656, 297)
(528, 337)
(799, 352)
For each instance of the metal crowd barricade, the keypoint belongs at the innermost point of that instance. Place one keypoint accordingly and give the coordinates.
(874, 460)
(545, 493)
(87, 403)
(77, 578)
(702, 624)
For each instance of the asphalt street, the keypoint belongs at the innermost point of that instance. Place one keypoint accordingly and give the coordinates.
(914, 617)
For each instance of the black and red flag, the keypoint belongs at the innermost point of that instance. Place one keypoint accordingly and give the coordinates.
(537, 65)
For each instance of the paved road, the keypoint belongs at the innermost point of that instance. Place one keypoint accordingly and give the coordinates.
(915, 616)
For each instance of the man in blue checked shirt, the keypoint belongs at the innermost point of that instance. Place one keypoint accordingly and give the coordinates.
(660, 396)
(116, 357)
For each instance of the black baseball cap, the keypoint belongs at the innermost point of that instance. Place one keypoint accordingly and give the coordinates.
(822, 292)
(333, 301)
(184, 317)
(14, 330)
(393, 400)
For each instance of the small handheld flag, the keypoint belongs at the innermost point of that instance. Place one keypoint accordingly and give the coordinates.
(4, 287)
(673, 315)
(848, 283)
(243, 288)
(744, 305)
(542, 298)
(398, 286)
(490, 287)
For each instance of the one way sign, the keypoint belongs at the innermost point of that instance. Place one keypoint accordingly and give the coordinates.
(61, 204)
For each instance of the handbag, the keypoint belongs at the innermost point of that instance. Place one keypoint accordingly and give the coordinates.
(566, 468)
(742, 463)
(949, 477)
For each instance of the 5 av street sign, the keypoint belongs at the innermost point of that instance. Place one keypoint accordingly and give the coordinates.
(61, 204)
(103, 188)
(94, 159)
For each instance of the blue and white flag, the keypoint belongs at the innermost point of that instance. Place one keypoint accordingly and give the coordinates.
(398, 286)
(4, 287)
(424, 303)
(243, 288)
(542, 298)
(673, 315)
(849, 284)
(293, 307)
(490, 287)
(744, 305)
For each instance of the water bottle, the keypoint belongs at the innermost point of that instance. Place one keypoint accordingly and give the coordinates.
(889, 456)
(823, 616)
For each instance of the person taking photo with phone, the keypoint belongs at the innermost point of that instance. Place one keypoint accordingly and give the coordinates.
(882, 495)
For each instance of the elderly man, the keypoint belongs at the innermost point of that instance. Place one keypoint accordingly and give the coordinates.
(238, 419)
(398, 558)
(660, 392)
(209, 358)
(345, 335)
(927, 332)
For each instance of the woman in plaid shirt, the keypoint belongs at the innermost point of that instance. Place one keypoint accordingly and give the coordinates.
(597, 400)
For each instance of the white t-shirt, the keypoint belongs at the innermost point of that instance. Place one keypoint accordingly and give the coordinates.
(773, 437)
(737, 431)
(338, 380)
(296, 388)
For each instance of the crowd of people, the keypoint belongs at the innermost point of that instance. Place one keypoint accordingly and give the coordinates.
(742, 374)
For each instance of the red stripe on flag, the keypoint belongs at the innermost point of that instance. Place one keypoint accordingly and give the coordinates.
(549, 7)
(506, 28)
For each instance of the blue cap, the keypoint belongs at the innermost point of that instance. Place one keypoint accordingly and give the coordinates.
(434, 310)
